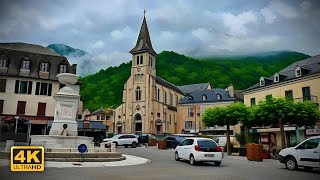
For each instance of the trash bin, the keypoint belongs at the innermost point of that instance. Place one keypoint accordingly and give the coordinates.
(9, 143)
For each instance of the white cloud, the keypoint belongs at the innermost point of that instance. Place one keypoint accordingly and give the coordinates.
(237, 23)
(121, 34)
(98, 45)
(305, 5)
(268, 15)
(202, 34)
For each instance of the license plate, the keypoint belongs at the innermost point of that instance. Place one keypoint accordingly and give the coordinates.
(209, 155)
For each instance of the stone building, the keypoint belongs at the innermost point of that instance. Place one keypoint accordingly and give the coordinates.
(28, 81)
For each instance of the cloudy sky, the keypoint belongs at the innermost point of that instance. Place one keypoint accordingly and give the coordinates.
(109, 29)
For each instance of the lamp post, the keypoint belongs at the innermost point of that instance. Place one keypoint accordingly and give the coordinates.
(16, 126)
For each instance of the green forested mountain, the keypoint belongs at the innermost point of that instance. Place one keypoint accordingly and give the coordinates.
(105, 87)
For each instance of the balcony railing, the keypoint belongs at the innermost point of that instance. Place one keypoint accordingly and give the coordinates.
(311, 98)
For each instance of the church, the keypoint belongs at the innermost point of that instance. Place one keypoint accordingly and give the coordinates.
(150, 103)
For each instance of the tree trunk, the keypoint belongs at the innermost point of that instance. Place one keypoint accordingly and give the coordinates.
(246, 135)
(283, 142)
(228, 140)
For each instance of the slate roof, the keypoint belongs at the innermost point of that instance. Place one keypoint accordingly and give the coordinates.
(167, 84)
(32, 48)
(98, 111)
(144, 41)
(15, 52)
(311, 64)
(187, 89)
(211, 96)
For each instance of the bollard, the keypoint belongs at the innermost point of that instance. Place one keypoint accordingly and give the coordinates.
(9, 143)
(113, 147)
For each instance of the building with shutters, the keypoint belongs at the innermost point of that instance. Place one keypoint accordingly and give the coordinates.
(28, 81)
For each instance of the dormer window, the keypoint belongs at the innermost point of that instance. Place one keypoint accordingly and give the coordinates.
(298, 71)
(262, 81)
(25, 64)
(3, 62)
(204, 97)
(276, 77)
(190, 98)
(44, 67)
(63, 68)
(219, 96)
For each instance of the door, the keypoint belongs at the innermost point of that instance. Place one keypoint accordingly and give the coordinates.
(188, 148)
(121, 140)
(180, 149)
(308, 153)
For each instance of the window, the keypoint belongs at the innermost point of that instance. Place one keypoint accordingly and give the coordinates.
(306, 93)
(171, 99)
(276, 78)
(158, 95)
(3, 83)
(141, 59)
(41, 109)
(1, 106)
(23, 87)
(219, 96)
(253, 101)
(289, 94)
(25, 65)
(177, 100)
(44, 67)
(21, 107)
(138, 60)
(262, 81)
(190, 111)
(268, 97)
(203, 109)
(189, 125)
(190, 98)
(3, 62)
(204, 97)
(310, 144)
(298, 71)
(138, 94)
(43, 89)
(63, 68)
(158, 115)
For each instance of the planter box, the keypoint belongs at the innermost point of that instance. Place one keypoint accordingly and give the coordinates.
(161, 144)
(254, 152)
(152, 142)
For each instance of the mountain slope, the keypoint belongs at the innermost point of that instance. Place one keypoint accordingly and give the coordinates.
(65, 50)
(105, 87)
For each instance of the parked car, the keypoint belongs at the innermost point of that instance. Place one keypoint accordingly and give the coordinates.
(173, 141)
(199, 150)
(123, 140)
(144, 138)
(306, 154)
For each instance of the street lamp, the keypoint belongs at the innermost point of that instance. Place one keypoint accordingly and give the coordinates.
(16, 127)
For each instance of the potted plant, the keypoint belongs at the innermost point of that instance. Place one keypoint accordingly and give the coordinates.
(242, 141)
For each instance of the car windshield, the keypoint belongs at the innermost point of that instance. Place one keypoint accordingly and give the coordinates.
(207, 143)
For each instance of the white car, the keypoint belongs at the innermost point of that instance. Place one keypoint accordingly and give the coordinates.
(199, 150)
(306, 154)
(123, 140)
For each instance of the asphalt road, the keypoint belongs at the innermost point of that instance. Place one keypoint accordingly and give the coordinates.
(163, 166)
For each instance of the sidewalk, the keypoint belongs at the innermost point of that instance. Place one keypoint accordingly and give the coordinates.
(129, 161)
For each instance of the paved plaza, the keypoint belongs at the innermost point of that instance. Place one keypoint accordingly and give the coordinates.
(160, 164)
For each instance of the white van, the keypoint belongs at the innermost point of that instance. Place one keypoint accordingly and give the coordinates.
(305, 154)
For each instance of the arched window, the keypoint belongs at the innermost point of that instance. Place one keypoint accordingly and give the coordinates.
(138, 94)
(204, 97)
(190, 98)
(158, 95)
(141, 59)
(262, 81)
(44, 67)
(3, 61)
(219, 97)
(276, 77)
(298, 71)
(25, 64)
(138, 62)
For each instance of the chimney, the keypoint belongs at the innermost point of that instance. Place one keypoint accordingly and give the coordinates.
(230, 90)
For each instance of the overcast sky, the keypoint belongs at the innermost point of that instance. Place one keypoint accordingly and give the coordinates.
(109, 29)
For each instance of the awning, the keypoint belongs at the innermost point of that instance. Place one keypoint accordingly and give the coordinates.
(97, 125)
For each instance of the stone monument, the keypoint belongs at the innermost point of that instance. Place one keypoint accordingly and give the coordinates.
(64, 129)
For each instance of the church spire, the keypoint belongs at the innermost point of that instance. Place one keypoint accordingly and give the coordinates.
(144, 42)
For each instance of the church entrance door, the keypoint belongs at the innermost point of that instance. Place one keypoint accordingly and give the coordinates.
(138, 124)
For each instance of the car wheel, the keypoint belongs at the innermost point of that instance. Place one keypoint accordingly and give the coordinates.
(176, 156)
(134, 145)
(291, 163)
(192, 160)
(217, 163)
